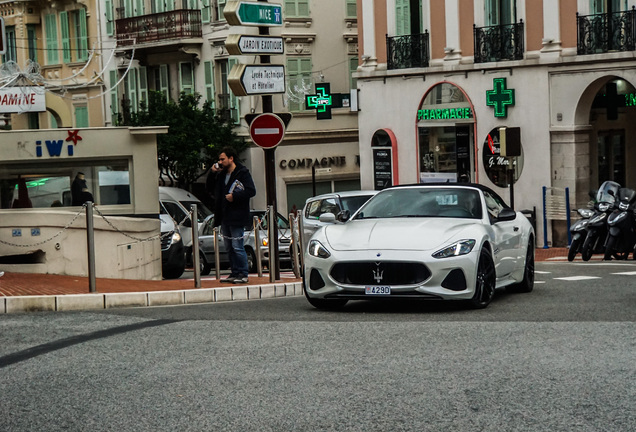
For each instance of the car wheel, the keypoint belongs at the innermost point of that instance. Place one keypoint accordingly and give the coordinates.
(204, 267)
(574, 248)
(527, 284)
(485, 283)
(324, 304)
(251, 260)
(173, 273)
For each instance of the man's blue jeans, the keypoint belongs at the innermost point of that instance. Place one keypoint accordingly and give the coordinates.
(233, 240)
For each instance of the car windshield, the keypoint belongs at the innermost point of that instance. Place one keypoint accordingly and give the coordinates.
(202, 210)
(353, 203)
(282, 222)
(423, 202)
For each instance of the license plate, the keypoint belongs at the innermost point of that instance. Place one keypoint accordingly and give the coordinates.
(377, 289)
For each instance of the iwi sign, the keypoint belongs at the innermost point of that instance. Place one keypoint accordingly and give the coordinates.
(55, 147)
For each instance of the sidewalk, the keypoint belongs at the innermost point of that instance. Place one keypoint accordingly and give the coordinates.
(21, 292)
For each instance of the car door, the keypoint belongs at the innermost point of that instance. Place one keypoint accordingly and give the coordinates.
(506, 236)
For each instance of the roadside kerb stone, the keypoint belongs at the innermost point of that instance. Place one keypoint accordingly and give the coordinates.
(125, 300)
(3, 306)
(223, 294)
(289, 290)
(165, 298)
(298, 287)
(30, 304)
(279, 290)
(268, 291)
(205, 295)
(73, 302)
(239, 293)
(254, 292)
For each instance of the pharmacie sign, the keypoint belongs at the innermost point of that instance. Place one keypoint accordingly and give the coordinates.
(444, 114)
(22, 99)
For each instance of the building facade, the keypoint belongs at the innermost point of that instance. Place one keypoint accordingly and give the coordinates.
(180, 46)
(439, 79)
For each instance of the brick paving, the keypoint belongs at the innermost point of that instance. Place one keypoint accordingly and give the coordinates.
(21, 284)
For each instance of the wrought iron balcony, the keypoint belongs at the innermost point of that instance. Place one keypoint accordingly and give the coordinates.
(500, 42)
(408, 51)
(606, 32)
(158, 27)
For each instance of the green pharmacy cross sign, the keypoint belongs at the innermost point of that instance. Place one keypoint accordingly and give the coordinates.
(321, 101)
(500, 97)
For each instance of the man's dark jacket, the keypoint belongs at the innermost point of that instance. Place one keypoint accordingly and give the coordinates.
(237, 212)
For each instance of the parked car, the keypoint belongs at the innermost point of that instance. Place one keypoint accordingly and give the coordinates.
(172, 249)
(431, 242)
(206, 243)
(178, 202)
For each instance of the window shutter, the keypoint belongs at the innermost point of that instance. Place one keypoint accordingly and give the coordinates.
(114, 96)
(205, 11)
(66, 41)
(290, 8)
(140, 8)
(132, 90)
(303, 8)
(352, 9)
(169, 5)
(82, 53)
(143, 86)
(353, 67)
(209, 81)
(81, 117)
(32, 42)
(186, 78)
(110, 22)
(51, 39)
(129, 9)
(402, 17)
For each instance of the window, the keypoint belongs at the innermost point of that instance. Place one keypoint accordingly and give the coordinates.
(81, 116)
(80, 38)
(40, 185)
(186, 78)
(34, 120)
(228, 103)
(297, 8)
(114, 97)
(353, 67)
(209, 81)
(110, 21)
(32, 43)
(352, 10)
(206, 11)
(50, 22)
(500, 12)
(10, 53)
(299, 76)
(220, 5)
(164, 81)
(143, 86)
(66, 37)
(607, 6)
(130, 83)
(494, 205)
(408, 17)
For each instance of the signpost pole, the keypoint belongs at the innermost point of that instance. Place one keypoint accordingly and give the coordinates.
(270, 174)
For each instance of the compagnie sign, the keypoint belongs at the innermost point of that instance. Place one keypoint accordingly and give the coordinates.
(22, 99)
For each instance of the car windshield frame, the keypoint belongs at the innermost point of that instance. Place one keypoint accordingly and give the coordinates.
(423, 202)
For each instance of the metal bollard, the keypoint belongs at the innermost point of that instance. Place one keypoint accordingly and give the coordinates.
(271, 221)
(257, 245)
(195, 246)
(301, 243)
(293, 251)
(217, 256)
(90, 245)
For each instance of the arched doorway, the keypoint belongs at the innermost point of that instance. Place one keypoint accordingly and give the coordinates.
(445, 132)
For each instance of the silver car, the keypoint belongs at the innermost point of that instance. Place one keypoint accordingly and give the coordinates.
(206, 243)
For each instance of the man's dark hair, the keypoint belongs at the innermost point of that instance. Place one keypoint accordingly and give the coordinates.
(230, 153)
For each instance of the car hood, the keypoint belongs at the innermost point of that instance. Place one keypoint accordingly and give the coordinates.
(399, 233)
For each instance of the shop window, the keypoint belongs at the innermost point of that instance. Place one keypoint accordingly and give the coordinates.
(39, 185)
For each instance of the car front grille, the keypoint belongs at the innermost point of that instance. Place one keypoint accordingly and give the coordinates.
(380, 273)
(166, 240)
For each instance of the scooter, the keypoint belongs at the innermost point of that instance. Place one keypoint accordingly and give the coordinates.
(597, 225)
(578, 232)
(621, 223)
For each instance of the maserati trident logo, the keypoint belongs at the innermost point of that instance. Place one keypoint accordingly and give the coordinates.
(377, 273)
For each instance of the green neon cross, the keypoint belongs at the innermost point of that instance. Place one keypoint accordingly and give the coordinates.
(321, 100)
(499, 97)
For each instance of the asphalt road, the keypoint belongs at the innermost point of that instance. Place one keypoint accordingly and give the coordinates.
(558, 359)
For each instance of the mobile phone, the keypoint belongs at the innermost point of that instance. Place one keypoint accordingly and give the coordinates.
(217, 166)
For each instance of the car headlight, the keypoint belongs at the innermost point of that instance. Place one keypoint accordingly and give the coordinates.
(318, 250)
(176, 237)
(462, 247)
(264, 241)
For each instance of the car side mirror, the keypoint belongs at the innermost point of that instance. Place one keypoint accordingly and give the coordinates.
(343, 215)
(327, 218)
(506, 214)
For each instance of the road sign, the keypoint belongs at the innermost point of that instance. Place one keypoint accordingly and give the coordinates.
(247, 80)
(248, 13)
(285, 117)
(267, 130)
(237, 44)
(3, 46)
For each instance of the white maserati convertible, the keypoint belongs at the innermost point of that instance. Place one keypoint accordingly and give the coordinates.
(432, 242)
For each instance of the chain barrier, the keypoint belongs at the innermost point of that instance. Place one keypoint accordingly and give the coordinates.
(151, 238)
(67, 226)
(282, 234)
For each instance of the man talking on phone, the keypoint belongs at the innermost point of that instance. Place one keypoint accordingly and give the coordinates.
(231, 186)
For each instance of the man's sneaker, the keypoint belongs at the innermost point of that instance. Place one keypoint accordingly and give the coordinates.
(1, 274)
(229, 279)
(241, 279)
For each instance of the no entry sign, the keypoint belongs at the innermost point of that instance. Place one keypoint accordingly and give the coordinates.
(267, 130)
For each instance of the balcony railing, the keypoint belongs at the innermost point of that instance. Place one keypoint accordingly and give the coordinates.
(408, 51)
(606, 32)
(164, 26)
(500, 42)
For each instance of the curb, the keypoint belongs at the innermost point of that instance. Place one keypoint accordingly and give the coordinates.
(75, 302)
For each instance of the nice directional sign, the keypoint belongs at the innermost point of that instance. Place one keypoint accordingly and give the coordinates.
(258, 79)
(248, 13)
(237, 44)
